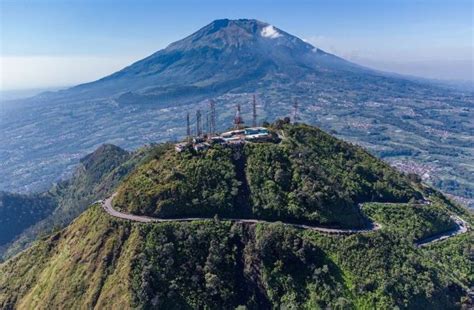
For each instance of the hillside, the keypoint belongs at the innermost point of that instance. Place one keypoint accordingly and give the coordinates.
(417, 126)
(308, 177)
(102, 262)
(25, 217)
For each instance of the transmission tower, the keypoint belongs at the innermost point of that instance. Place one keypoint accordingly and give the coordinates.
(295, 111)
(212, 108)
(198, 123)
(254, 112)
(207, 129)
(188, 127)
(238, 121)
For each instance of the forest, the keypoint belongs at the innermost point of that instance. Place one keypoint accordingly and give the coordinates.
(310, 177)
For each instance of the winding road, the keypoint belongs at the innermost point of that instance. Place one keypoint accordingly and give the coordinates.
(107, 206)
(462, 226)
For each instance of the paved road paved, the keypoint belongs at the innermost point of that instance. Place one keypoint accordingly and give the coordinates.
(107, 206)
(462, 226)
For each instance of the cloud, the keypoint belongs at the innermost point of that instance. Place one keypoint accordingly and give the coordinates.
(324, 43)
(270, 32)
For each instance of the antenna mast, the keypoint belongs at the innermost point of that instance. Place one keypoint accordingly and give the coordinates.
(295, 110)
(188, 126)
(238, 121)
(198, 123)
(208, 129)
(254, 110)
(212, 107)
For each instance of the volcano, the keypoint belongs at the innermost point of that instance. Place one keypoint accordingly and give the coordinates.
(226, 55)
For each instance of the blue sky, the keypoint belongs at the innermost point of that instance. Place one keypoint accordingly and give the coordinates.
(55, 43)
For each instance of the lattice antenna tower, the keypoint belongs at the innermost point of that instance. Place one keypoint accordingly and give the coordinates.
(188, 126)
(207, 129)
(238, 121)
(198, 123)
(254, 111)
(213, 120)
(295, 110)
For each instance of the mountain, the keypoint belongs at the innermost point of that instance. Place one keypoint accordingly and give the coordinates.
(103, 262)
(417, 126)
(220, 57)
(25, 217)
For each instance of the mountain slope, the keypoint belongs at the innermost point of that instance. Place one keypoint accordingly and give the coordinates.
(94, 178)
(100, 262)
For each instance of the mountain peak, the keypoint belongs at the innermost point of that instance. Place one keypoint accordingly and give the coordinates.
(251, 25)
(223, 33)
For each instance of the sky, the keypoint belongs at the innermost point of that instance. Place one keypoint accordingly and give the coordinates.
(47, 44)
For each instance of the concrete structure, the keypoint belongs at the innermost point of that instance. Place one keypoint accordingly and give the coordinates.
(179, 147)
(201, 146)
(256, 133)
(229, 138)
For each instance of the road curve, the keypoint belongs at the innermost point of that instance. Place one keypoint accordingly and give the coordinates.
(107, 206)
(462, 227)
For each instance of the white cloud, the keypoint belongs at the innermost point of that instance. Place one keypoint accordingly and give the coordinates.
(270, 32)
(324, 43)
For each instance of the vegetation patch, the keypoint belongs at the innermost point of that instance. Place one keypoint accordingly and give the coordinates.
(413, 221)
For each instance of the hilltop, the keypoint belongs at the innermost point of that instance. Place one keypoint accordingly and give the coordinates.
(309, 176)
(99, 261)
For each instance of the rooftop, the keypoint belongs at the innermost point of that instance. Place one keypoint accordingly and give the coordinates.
(233, 137)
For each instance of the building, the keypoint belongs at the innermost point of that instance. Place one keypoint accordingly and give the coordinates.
(201, 146)
(257, 134)
(216, 140)
(179, 147)
(229, 138)
(233, 134)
